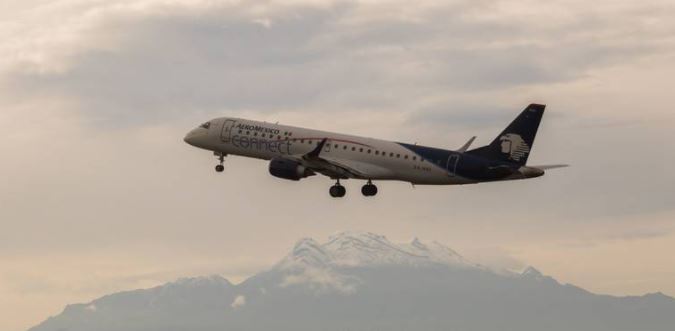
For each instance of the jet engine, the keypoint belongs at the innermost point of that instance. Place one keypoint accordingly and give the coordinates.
(289, 169)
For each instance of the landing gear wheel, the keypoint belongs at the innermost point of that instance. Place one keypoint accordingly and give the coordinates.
(221, 158)
(337, 190)
(369, 189)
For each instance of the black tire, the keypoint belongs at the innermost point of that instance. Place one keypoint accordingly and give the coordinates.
(335, 191)
(373, 190)
(369, 190)
(341, 191)
(220, 168)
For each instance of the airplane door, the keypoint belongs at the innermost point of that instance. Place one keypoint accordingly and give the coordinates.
(452, 165)
(227, 131)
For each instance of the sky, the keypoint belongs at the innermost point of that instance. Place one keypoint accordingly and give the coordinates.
(100, 194)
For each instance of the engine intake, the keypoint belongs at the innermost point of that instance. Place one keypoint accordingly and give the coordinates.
(289, 169)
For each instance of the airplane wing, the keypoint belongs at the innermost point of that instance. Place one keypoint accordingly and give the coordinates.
(333, 167)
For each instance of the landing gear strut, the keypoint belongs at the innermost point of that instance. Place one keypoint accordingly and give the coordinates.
(221, 158)
(337, 190)
(369, 189)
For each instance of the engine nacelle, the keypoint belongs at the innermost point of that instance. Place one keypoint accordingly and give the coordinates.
(289, 169)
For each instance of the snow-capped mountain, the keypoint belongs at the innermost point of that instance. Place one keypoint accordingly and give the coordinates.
(362, 281)
(348, 249)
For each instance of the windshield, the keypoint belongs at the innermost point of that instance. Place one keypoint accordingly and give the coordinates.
(205, 125)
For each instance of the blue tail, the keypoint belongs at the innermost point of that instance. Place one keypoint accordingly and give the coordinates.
(515, 142)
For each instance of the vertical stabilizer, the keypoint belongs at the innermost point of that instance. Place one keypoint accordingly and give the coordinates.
(516, 141)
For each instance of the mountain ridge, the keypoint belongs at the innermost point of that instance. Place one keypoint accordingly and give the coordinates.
(362, 281)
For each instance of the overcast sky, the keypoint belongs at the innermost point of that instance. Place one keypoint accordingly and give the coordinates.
(100, 193)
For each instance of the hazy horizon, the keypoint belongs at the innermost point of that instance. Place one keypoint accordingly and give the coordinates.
(101, 194)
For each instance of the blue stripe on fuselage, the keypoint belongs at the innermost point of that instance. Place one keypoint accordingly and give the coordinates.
(438, 157)
(469, 166)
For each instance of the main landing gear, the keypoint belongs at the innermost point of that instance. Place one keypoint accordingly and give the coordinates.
(369, 189)
(337, 190)
(221, 157)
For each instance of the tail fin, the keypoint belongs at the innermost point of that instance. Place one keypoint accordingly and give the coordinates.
(516, 141)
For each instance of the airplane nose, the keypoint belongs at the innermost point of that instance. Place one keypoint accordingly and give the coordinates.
(190, 138)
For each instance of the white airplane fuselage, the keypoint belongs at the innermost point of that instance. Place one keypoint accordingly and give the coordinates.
(375, 159)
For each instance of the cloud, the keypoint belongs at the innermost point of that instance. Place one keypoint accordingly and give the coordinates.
(643, 234)
(322, 280)
(131, 65)
(238, 302)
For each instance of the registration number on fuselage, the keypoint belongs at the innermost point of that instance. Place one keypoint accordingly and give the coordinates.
(422, 168)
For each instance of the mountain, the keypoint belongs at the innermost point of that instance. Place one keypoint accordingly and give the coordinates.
(362, 281)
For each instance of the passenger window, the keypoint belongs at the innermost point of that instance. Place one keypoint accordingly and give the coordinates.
(398, 155)
(344, 146)
(255, 134)
(368, 151)
(239, 131)
(302, 141)
(263, 135)
(414, 158)
(336, 145)
(391, 154)
(377, 152)
(353, 149)
(406, 156)
(361, 150)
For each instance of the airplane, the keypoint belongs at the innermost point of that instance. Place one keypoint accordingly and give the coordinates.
(296, 153)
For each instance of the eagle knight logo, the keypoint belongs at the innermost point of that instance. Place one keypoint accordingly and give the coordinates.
(514, 145)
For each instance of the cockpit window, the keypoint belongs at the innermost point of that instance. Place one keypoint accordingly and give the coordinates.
(206, 125)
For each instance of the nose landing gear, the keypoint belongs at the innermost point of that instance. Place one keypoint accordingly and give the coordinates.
(221, 158)
(369, 189)
(337, 190)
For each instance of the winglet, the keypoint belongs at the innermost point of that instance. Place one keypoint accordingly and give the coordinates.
(467, 145)
(316, 151)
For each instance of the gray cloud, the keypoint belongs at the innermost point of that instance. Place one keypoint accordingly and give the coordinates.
(140, 69)
(642, 234)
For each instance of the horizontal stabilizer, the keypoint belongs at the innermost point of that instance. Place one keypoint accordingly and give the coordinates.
(551, 166)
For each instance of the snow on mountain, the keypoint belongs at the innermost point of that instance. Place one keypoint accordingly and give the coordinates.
(532, 273)
(355, 249)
